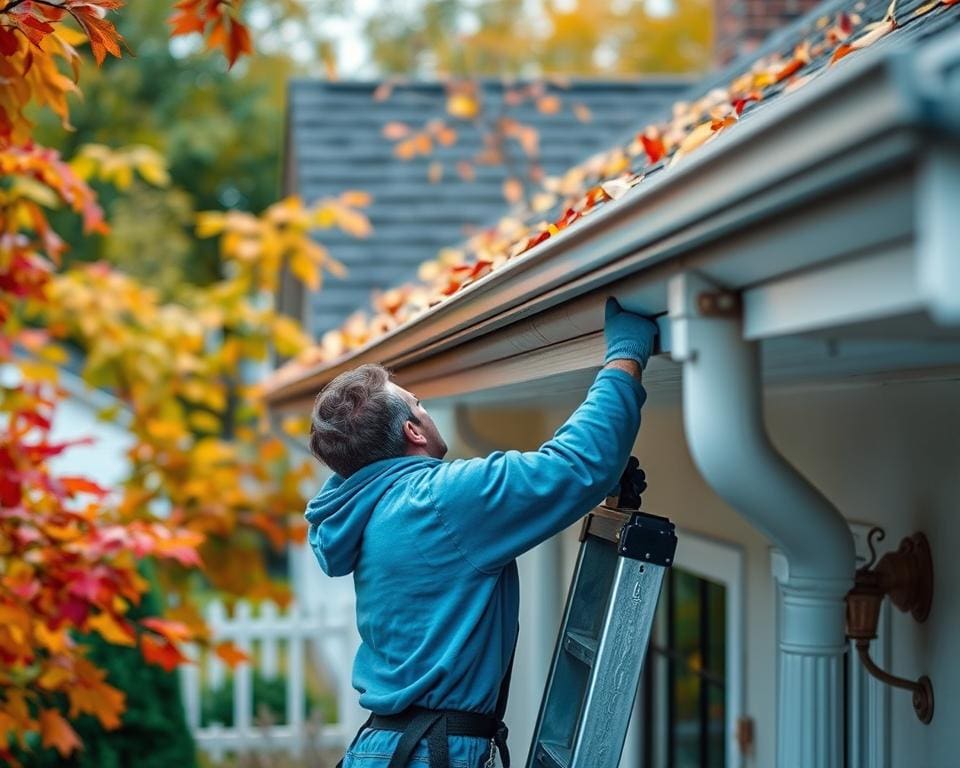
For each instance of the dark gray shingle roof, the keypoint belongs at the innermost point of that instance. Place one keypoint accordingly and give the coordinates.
(336, 143)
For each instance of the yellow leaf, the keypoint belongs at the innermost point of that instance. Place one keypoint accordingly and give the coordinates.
(210, 223)
(54, 677)
(296, 426)
(55, 641)
(463, 106)
(55, 354)
(111, 630)
(34, 370)
(435, 172)
(165, 430)
(154, 171)
(204, 421)
(305, 270)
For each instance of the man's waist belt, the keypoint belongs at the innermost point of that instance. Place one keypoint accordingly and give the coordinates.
(435, 725)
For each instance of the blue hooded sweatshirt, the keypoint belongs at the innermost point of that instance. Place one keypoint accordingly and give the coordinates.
(432, 546)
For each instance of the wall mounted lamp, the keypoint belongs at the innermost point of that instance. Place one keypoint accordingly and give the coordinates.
(906, 576)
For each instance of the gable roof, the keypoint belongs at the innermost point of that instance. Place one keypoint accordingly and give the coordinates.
(336, 141)
(831, 84)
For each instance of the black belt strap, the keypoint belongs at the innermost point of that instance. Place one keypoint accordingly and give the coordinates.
(435, 725)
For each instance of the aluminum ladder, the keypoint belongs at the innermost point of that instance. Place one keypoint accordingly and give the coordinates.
(595, 672)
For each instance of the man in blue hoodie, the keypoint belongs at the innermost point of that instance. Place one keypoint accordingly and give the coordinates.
(432, 546)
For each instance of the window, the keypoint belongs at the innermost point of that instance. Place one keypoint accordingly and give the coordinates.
(684, 682)
(691, 692)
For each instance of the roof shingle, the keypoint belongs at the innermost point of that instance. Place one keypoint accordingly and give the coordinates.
(337, 143)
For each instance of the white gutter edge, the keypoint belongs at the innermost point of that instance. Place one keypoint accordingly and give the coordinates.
(723, 420)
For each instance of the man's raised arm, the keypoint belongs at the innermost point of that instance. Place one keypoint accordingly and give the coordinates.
(500, 506)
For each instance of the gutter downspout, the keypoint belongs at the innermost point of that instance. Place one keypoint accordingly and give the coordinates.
(723, 419)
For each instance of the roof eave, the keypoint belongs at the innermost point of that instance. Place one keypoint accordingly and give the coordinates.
(865, 119)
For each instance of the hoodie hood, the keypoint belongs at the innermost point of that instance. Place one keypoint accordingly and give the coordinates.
(339, 513)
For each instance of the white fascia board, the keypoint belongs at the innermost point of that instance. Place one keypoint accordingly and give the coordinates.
(828, 172)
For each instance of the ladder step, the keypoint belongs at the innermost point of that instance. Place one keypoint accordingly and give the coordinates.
(582, 647)
(550, 755)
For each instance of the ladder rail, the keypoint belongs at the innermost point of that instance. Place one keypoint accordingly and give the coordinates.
(603, 639)
(568, 605)
(601, 738)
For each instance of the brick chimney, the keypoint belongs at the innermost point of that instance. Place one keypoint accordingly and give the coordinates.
(741, 25)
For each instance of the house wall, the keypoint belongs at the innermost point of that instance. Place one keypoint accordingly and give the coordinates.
(884, 454)
(105, 460)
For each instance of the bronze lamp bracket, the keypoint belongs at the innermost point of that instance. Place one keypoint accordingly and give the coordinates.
(906, 576)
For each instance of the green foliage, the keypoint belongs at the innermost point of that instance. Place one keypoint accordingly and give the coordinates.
(153, 732)
(221, 133)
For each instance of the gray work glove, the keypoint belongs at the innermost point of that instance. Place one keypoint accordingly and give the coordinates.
(629, 336)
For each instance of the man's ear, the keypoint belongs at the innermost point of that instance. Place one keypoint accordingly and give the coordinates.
(414, 433)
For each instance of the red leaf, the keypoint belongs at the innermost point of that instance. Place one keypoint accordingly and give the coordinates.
(160, 651)
(653, 146)
(739, 104)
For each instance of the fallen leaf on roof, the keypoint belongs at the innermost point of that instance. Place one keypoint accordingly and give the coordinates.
(653, 145)
(463, 106)
(548, 105)
(927, 7)
(582, 113)
(435, 172)
(601, 180)
(513, 190)
(466, 171)
(395, 130)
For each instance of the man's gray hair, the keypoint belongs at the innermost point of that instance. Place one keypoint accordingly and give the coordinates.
(357, 419)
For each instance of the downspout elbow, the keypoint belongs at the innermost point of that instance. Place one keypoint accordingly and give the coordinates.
(723, 419)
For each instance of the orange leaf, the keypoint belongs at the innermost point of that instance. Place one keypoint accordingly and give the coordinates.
(99, 699)
(842, 50)
(435, 172)
(513, 190)
(174, 631)
(231, 654)
(82, 485)
(57, 732)
(548, 105)
(103, 36)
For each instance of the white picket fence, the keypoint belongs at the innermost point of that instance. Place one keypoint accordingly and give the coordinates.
(324, 635)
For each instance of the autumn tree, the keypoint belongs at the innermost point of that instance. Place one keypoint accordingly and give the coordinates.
(209, 481)
(512, 38)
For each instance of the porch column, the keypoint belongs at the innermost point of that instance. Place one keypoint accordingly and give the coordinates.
(723, 421)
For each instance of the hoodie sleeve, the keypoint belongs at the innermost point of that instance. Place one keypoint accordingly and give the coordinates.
(498, 507)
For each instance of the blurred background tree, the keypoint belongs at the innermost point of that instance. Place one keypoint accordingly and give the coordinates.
(517, 38)
(220, 132)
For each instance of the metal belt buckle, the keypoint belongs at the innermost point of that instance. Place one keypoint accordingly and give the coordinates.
(492, 759)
